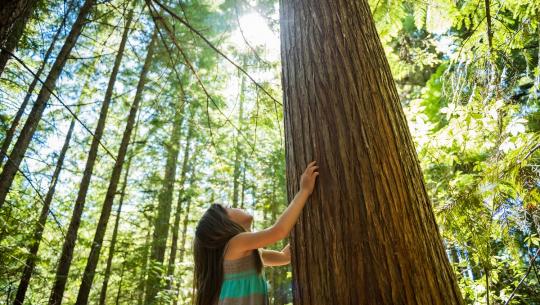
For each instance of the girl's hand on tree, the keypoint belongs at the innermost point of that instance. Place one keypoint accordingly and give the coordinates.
(287, 251)
(307, 180)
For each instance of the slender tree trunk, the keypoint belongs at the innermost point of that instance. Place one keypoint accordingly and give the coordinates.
(161, 223)
(93, 257)
(187, 199)
(10, 168)
(119, 293)
(238, 151)
(38, 231)
(367, 234)
(11, 131)
(242, 192)
(14, 16)
(66, 256)
(185, 223)
(142, 280)
(178, 212)
(192, 179)
(486, 272)
(106, 276)
(489, 32)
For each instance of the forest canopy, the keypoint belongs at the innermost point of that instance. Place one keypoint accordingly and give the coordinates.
(121, 121)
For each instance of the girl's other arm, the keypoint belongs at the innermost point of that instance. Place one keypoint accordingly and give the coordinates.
(276, 258)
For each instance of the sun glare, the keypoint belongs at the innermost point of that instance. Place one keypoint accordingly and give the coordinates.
(257, 33)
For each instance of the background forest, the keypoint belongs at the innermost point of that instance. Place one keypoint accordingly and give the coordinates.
(161, 108)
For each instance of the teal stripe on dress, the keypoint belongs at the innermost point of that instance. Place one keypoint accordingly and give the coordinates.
(240, 274)
(245, 286)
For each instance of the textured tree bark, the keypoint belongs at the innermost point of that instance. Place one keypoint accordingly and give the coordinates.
(367, 234)
(38, 231)
(10, 168)
(93, 257)
(68, 246)
(165, 199)
(14, 15)
(11, 131)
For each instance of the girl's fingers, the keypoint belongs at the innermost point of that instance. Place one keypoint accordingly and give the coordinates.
(310, 166)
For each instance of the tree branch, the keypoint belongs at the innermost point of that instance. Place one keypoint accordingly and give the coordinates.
(524, 277)
(184, 22)
(58, 98)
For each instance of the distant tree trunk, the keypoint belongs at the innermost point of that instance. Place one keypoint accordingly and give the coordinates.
(238, 150)
(165, 198)
(11, 131)
(242, 192)
(93, 257)
(14, 16)
(119, 293)
(185, 223)
(142, 280)
(38, 231)
(367, 234)
(188, 199)
(191, 183)
(107, 274)
(10, 168)
(66, 256)
(178, 212)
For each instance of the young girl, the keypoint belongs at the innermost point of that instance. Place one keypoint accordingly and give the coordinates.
(228, 259)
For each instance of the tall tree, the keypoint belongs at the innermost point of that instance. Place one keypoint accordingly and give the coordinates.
(368, 234)
(30, 262)
(13, 18)
(188, 199)
(179, 206)
(66, 256)
(10, 168)
(165, 198)
(238, 153)
(144, 268)
(13, 127)
(112, 247)
(93, 257)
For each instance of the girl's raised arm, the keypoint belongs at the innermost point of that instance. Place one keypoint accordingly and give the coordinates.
(252, 240)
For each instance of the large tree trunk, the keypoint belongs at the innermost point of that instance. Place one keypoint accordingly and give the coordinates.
(11, 131)
(66, 256)
(14, 15)
(17, 154)
(178, 212)
(38, 231)
(107, 274)
(367, 234)
(93, 257)
(165, 198)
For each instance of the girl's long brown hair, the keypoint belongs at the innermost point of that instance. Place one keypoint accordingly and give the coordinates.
(213, 231)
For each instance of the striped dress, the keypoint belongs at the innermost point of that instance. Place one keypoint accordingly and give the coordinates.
(242, 285)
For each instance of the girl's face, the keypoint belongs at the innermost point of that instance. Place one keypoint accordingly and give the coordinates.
(240, 216)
